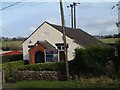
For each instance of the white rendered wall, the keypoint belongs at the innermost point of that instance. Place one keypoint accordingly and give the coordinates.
(53, 36)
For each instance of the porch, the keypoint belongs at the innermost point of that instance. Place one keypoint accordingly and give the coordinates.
(43, 52)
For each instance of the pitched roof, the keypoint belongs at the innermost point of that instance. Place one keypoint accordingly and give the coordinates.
(5, 53)
(79, 36)
(46, 45)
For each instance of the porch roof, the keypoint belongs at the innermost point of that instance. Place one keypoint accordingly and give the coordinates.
(46, 45)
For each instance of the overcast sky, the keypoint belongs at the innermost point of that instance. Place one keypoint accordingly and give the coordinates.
(95, 18)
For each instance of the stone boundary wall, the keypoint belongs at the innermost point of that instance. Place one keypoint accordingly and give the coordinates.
(39, 75)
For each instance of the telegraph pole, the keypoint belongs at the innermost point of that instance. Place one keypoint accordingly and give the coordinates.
(74, 4)
(64, 39)
(71, 14)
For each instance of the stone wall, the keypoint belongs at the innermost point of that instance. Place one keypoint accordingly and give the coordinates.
(38, 75)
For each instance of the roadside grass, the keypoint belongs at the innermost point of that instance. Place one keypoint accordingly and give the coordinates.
(88, 83)
(109, 40)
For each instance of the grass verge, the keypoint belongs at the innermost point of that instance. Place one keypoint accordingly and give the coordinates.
(109, 40)
(63, 84)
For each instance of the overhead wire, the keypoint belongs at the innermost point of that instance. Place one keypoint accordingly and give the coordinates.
(3, 29)
(113, 18)
(25, 4)
(10, 33)
(11, 5)
(21, 4)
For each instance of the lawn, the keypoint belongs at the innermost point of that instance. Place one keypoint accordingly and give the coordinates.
(86, 83)
(109, 40)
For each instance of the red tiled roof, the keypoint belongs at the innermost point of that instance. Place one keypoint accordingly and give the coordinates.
(12, 53)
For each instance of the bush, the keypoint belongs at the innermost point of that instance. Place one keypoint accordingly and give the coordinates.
(54, 66)
(10, 58)
(117, 61)
(10, 67)
(92, 60)
(5, 48)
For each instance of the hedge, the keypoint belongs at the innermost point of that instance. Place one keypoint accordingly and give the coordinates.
(51, 66)
(92, 60)
(10, 67)
(10, 58)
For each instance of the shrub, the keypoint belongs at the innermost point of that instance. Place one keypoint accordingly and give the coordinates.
(10, 58)
(10, 67)
(54, 66)
(5, 48)
(92, 60)
(117, 61)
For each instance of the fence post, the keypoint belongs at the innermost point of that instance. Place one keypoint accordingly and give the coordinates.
(3, 76)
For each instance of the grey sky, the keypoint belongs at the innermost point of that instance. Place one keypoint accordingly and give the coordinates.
(96, 18)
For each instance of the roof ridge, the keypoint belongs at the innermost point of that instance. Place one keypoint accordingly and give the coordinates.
(61, 26)
(73, 29)
(80, 37)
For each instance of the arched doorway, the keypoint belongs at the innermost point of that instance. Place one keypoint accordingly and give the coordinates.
(39, 57)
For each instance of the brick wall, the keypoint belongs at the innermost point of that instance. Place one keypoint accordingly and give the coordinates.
(33, 50)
